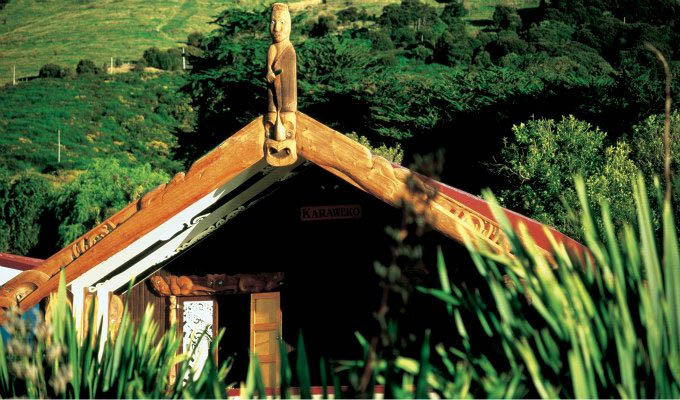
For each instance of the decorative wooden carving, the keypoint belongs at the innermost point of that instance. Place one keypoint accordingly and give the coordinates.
(245, 283)
(22, 285)
(116, 308)
(178, 286)
(281, 74)
(92, 237)
(216, 284)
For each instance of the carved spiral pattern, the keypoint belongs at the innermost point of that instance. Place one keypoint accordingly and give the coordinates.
(23, 285)
(85, 243)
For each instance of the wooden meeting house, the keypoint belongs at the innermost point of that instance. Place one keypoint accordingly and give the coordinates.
(274, 230)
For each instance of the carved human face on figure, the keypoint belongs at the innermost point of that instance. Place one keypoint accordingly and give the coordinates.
(279, 26)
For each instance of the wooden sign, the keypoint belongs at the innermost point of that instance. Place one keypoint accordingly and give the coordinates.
(349, 211)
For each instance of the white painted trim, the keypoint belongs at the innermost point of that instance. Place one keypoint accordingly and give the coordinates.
(167, 229)
(102, 315)
(77, 289)
(202, 226)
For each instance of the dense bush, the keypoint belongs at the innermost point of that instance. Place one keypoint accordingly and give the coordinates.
(53, 71)
(140, 65)
(506, 18)
(87, 67)
(22, 204)
(324, 25)
(195, 39)
(169, 60)
(542, 157)
(98, 193)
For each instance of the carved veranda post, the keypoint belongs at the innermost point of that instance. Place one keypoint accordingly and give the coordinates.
(281, 74)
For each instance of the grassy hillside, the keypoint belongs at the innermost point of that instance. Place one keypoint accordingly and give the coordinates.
(33, 33)
(136, 119)
(37, 32)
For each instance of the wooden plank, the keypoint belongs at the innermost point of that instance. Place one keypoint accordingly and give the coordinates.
(265, 325)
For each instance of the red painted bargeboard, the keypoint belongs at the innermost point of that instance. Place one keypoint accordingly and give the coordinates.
(19, 262)
(534, 227)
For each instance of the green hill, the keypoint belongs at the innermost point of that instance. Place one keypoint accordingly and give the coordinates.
(134, 118)
(37, 32)
(34, 32)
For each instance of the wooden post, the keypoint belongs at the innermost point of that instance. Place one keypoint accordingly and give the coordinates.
(59, 146)
(172, 319)
(111, 65)
(14, 74)
(184, 60)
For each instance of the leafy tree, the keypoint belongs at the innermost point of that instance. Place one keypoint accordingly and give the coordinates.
(22, 204)
(380, 40)
(195, 39)
(169, 60)
(453, 12)
(454, 48)
(412, 22)
(506, 18)
(87, 67)
(352, 14)
(98, 193)
(324, 25)
(139, 65)
(53, 71)
(543, 156)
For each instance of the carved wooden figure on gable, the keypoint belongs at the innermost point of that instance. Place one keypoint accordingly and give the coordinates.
(281, 74)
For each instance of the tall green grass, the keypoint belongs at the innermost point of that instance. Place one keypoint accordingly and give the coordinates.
(605, 325)
(51, 361)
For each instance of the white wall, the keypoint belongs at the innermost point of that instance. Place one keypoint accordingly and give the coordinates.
(7, 274)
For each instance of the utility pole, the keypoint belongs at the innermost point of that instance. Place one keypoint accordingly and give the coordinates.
(59, 146)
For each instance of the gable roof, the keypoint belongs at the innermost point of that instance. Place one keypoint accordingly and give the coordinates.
(153, 219)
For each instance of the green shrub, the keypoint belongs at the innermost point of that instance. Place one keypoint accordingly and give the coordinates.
(195, 39)
(22, 204)
(541, 158)
(87, 67)
(453, 12)
(117, 62)
(325, 25)
(394, 154)
(169, 60)
(506, 18)
(600, 326)
(647, 143)
(53, 71)
(380, 40)
(139, 65)
(98, 193)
